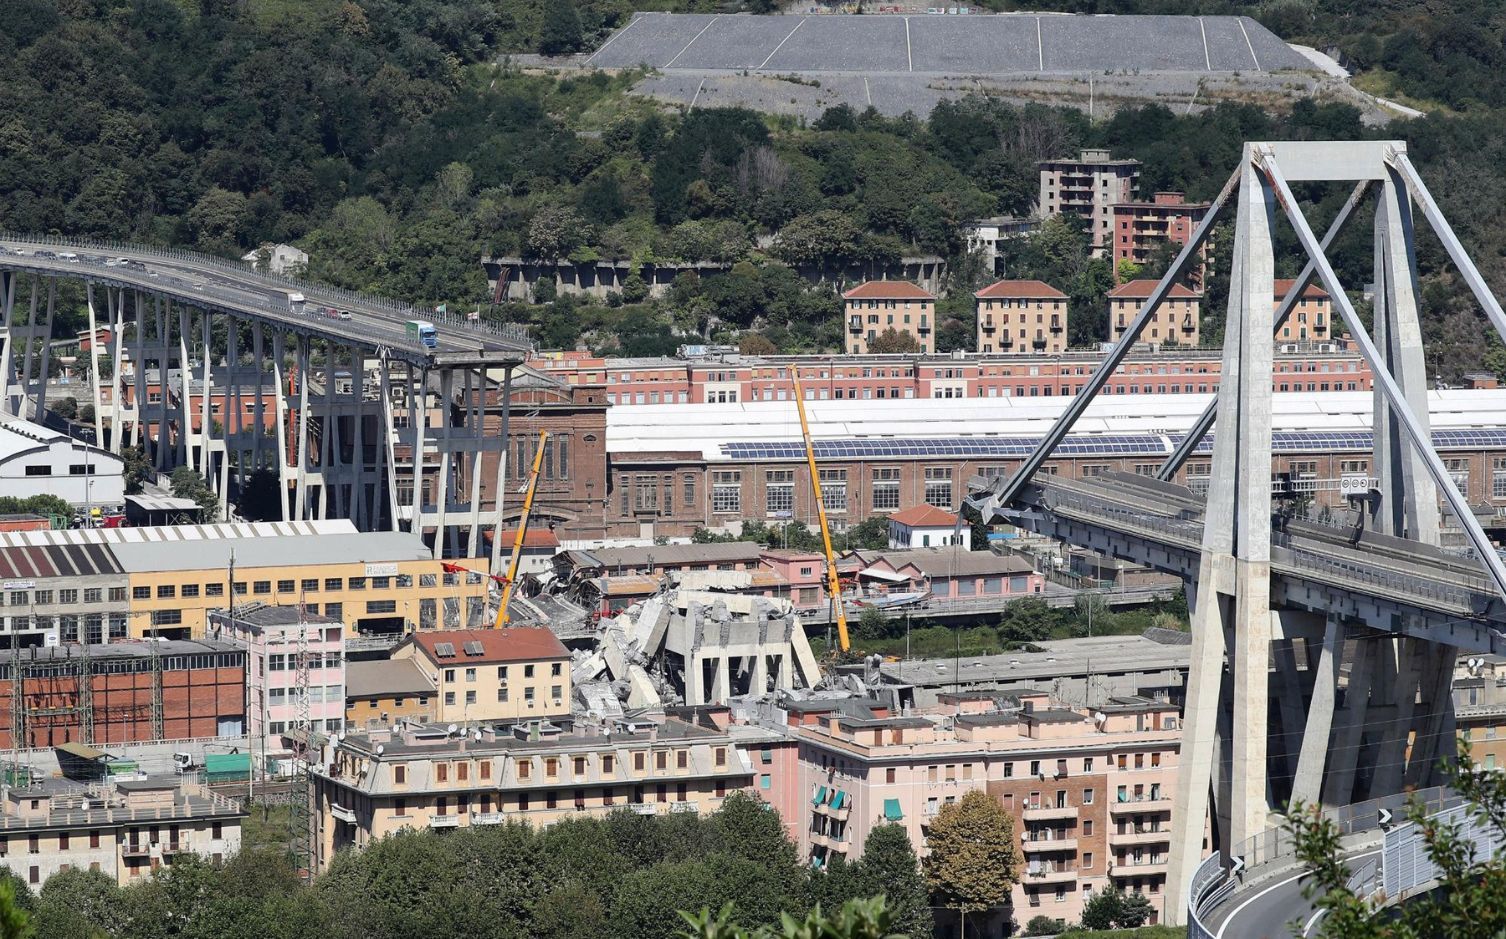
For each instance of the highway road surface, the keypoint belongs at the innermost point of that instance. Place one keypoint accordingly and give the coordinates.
(227, 286)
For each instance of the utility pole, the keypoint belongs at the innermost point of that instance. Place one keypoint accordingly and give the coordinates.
(299, 814)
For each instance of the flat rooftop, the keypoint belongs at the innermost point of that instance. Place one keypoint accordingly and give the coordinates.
(1011, 428)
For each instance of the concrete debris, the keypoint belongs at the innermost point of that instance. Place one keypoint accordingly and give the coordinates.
(694, 644)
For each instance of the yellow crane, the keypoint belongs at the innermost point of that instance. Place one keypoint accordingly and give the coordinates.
(517, 543)
(833, 582)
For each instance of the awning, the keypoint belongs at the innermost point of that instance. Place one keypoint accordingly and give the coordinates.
(881, 574)
(891, 810)
(837, 798)
(820, 796)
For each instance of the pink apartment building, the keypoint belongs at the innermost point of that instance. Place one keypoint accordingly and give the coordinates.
(1089, 788)
(274, 637)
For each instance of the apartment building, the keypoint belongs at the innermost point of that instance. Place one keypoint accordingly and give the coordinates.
(983, 236)
(1088, 187)
(381, 691)
(1480, 708)
(872, 308)
(1089, 789)
(1175, 322)
(125, 830)
(1311, 320)
(1142, 227)
(424, 777)
(1021, 316)
(516, 674)
(284, 645)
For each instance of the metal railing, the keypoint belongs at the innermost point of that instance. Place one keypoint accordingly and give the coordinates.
(1406, 865)
(1461, 591)
(511, 332)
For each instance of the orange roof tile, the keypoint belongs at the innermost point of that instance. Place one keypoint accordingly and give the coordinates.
(513, 644)
(887, 290)
(1011, 289)
(924, 516)
(1284, 287)
(1141, 289)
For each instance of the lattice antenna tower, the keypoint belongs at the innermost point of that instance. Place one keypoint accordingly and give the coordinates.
(300, 818)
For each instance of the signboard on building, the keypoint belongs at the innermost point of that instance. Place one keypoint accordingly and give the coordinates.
(381, 570)
(18, 585)
(1354, 484)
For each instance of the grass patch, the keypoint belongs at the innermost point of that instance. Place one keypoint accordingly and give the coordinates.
(1380, 83)
(267, 828)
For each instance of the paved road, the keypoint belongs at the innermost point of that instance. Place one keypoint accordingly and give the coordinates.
(1268, 910)
(223, 285)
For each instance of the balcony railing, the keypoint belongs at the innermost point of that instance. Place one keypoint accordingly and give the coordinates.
(1051, 875)
(444, 821)
(486, 818)
(1143, 804)
(1038, 813)
(1049, 845)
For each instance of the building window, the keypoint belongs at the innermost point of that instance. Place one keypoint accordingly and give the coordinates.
(400, 775)
(333, 583)
(190, 591)
(167, 617)
(309, 585)
(214, 590)
(646, 494)
(726, 492)
(285, 586)
(381, 606)
(834, 490)
(166, 592)
(939, 486)
(779, 493)
(886, 489)
(261, 587)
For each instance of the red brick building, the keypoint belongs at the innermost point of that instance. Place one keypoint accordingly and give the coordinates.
(1141, 227)
(202, 688)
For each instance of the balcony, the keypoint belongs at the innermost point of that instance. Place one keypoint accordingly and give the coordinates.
(486, 818)
(1051, 875)
(175, 847)
(342, 813)
(1050, 845)
(1056, 325)
(988, 326)
(1141, 836)
(1138, 869)
(141, 849)
(643, 808)
(1045, 813)
(1038, 343)
(691, 807)
(1141, 805)
(840, 813)
(924, 327)
(444, 821)
(855, 324)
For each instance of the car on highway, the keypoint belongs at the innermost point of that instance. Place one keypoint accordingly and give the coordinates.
(68, 256)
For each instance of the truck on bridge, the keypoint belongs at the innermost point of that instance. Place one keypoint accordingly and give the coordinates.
(423, 331)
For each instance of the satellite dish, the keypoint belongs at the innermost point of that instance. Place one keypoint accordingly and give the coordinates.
(476, 734)
(380, 750)
(451, 730)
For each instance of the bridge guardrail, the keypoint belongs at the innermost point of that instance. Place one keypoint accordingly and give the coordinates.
(512, 332)
(1472, 595)
(1405, 864)
(1211, 883)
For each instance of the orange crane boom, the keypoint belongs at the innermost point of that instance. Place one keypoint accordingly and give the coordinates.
(833, 582)
(517, 543)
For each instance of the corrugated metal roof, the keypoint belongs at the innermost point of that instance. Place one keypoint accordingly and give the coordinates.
(161, 533)
(275, 551)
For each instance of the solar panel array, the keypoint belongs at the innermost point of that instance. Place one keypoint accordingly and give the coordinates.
(445, 650)
(473, 648)
(1105, 445)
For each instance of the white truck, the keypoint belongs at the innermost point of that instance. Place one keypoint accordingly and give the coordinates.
(296, 302)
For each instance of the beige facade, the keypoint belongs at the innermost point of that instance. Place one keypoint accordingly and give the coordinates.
(873, 308)
(1176, 320)
(1311, 320)
(422, 777)
(1021, 316)
(516, 674)
(1088, 187)
(125, 831)
(1089, 789)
